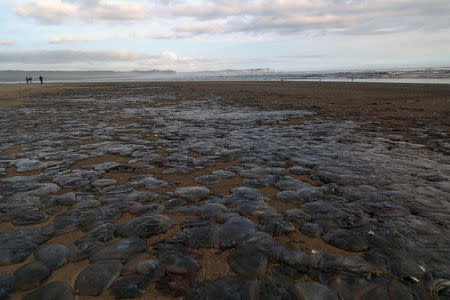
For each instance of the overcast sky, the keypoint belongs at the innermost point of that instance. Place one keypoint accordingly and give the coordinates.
(189, 35)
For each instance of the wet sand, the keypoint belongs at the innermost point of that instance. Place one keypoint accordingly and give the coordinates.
(403, 114)
(394, 107)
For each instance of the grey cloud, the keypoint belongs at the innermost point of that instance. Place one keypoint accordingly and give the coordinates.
(70, 56)
(202, 12)
(47, 12)
(85, 58)
(326, 16)
(188, 31)
(56, 11)
(199, 28)
(287, 25)
(86, 3)
(113, 12)
(253, 16)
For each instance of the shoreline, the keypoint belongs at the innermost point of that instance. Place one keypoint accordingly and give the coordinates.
(427, 81)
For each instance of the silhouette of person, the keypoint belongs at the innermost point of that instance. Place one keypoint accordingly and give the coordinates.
(30, 79)
(27, 80)
(41, 79)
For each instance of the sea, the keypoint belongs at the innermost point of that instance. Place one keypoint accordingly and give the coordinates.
(372, 77)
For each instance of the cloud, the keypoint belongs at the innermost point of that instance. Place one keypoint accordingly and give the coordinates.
(170, 36)
(87, 3)
(186, 31)
(199, 28)
(69, 56)
(113, 11)
(7, 43)
(174, 57)
(66, 40)
(57, 11)
(47, 12)
(84, 59)
(324, 16)
(181, 19)
(290, 24)
(202, 11)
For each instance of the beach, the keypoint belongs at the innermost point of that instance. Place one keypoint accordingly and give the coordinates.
(165, 190)
(394, 107)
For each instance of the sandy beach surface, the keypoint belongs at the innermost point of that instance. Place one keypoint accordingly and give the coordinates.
(224, 190)
(394, 107)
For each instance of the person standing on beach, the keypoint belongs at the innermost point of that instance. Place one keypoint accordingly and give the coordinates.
(30, 79)
(27, 80)
(41, 79)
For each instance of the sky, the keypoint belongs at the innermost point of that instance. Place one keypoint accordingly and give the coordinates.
(194, 35)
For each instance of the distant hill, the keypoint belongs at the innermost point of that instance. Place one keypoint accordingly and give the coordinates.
(16, 75)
